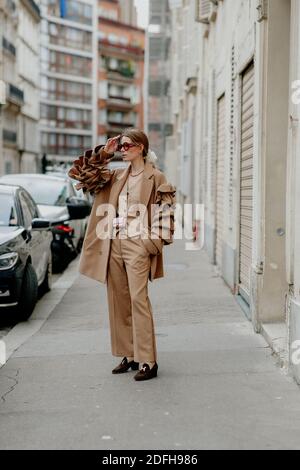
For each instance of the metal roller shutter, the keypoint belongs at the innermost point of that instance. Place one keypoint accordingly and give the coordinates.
(220, 180)
(246, 182)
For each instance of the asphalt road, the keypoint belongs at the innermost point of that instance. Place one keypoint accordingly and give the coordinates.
(6, 322)
(218, 384)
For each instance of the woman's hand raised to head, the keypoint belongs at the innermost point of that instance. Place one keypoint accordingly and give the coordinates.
(111, 145)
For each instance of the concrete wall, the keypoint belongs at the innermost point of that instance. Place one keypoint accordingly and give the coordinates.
(225, 46)
(293, 198)
(234, 27)
(272, 162)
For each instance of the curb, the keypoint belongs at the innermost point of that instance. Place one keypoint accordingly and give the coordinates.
(23, 331)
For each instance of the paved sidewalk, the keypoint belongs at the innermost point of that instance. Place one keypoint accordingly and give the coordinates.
(218, 385)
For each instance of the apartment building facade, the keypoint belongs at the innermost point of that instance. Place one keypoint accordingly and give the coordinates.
(158, 71)
(68, 78)
(128, 12)
(235, 111)
(121, 72)
(12, 94)
(28, 64)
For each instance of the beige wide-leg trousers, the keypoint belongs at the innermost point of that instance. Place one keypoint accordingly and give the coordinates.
(130, 311)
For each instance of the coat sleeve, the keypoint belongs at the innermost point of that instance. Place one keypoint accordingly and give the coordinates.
(163, 220)
(91, 170)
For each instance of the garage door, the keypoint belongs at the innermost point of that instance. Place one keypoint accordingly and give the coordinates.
(220, 180)
(246, 182)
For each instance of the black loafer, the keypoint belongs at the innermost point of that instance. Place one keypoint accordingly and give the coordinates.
(124, 366)
(145, 373)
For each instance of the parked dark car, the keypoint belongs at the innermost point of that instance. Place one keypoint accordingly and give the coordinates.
(25, 251)
(53, 196)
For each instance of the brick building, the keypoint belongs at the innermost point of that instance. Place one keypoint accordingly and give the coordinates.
(121, 71)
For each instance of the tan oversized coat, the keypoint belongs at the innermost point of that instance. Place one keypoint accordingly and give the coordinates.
(154, 190)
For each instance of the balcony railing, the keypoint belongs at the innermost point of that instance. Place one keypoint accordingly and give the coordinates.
(119, 97)
(9, 136)
(82, 45)
(63, 150)
(122, 103)
(15, 95)
(114, 76)
(136, 51)
(66, 96)
(8, 46)
(125, 72)
(119, 124)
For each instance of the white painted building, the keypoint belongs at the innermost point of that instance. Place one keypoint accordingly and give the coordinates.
(12, 94)
(236, 139)
(28, 61)
(157, 84)
(128, 12)
(69, 61)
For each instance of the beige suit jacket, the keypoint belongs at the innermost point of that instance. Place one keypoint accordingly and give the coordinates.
(155, 190)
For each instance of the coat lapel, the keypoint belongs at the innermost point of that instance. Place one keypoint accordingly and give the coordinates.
(117, 186)
(147, 184)
(146, 189)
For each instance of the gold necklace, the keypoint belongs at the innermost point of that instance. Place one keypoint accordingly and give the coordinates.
(136, 174)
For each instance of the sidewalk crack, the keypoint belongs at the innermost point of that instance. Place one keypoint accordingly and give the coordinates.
(16, 381)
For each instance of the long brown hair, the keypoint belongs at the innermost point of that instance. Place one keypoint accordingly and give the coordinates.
(137, 137)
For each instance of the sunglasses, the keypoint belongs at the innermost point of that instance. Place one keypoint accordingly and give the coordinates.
(126, 146)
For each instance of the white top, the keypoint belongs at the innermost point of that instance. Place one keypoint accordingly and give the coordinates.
(131, 194)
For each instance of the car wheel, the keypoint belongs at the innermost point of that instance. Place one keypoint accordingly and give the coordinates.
(29, 293)
(47, 282)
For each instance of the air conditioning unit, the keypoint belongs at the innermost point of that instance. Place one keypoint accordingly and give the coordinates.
(2, 92)
(206, 10)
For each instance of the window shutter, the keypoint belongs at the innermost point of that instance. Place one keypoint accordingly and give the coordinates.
(246, 182)
(220, 183)
(232, 136)
(213, 156)
(204, 157)
(203, 10)
(206, 10)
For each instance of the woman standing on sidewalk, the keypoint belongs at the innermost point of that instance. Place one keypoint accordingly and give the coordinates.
(140, 206)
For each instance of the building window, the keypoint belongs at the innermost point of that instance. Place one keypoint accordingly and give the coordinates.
(153, 126)
(110, 14)
(103, 90)
(59, 62)
(63, 117)
(113, 38)
(123, 40)
(63, 90)
(64, 144)
(156, 48)
(72, 10)
(67, 36)
(126, 68)
(155, 87)
(102, 116)
(8, 168)
(122, 118)
(154, 28)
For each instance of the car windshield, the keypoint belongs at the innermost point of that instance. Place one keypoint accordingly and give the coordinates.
(8, 215)
(44, 191)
